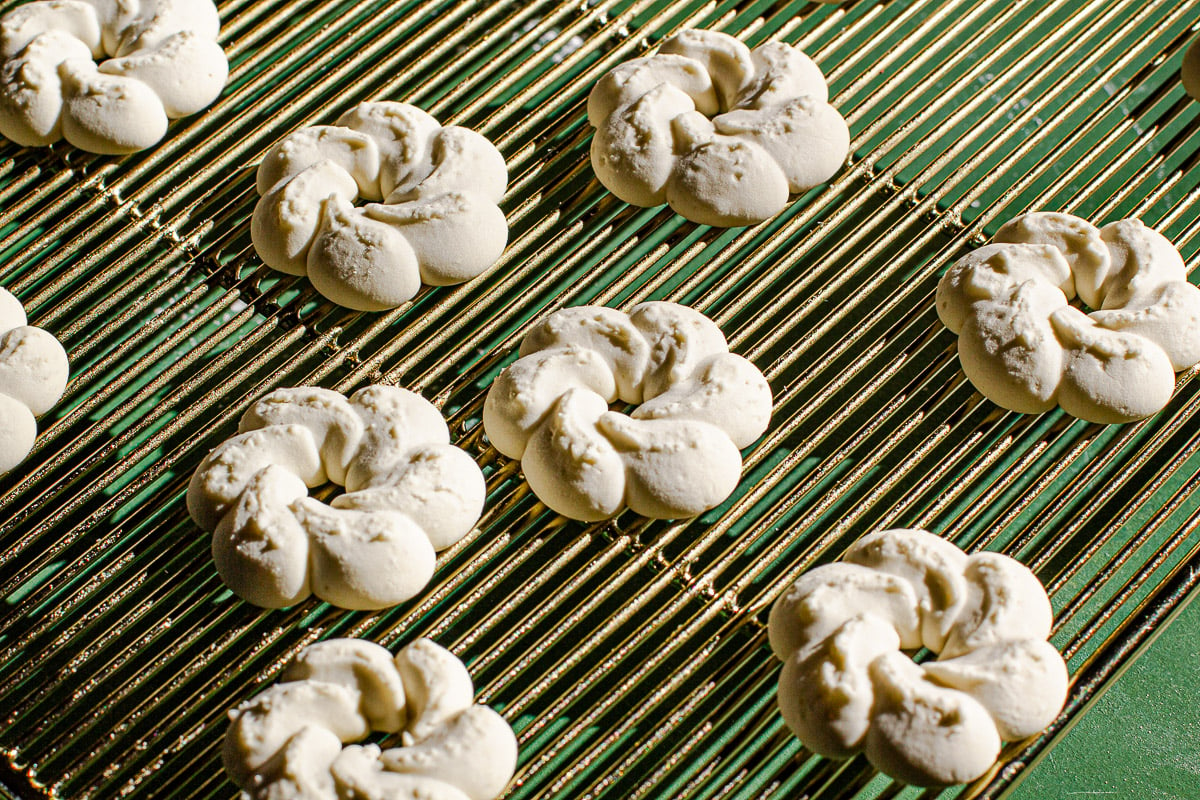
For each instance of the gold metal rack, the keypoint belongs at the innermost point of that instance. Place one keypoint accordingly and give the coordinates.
(630, 656)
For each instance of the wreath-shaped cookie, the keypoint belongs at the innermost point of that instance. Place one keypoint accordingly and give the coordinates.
(409, 493)
(1025, 348)
(720, 132)
(439, 222)
(158, 60)
(33, 377)
(675, 456)
(288, 741)
(847, 687)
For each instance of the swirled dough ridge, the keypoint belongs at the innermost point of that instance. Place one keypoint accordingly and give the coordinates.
(846, 686)
(33, 377)
(675, 456)
(158, 60)
(439, 221)
(720, 132)
(409, 494)
(294, 740)
(1025, 348)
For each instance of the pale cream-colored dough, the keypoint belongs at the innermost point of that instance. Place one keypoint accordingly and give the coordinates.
(1025, 348)
(409, 493)
(846, 687)
(722, 133)
(33, 376)
(675, 456)
(288, 741)
(158, 60)
(439, 221)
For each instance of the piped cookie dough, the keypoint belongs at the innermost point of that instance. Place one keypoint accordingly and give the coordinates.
(295, 740)
(1026, 348)
(439, 221)
(722, 133)
(675, 456)
(409, 493)
(107, 76)
(846, 687)
(33, 377)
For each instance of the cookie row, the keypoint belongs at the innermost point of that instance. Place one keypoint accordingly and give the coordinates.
(845, 631)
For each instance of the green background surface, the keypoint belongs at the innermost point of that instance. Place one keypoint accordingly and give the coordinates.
(1142, 737)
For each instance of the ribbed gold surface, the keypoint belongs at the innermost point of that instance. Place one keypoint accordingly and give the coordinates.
(630, 656)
